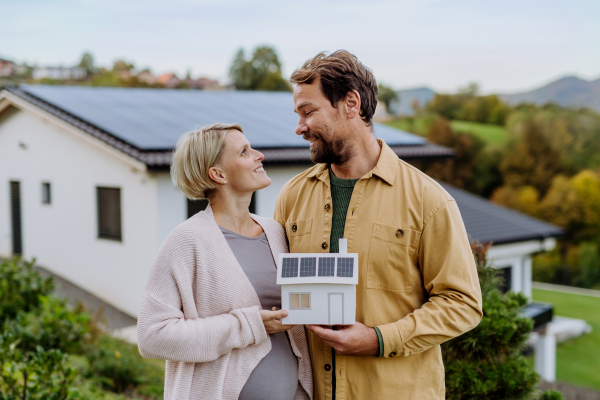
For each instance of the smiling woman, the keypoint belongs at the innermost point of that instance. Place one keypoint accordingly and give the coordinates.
(213, 292)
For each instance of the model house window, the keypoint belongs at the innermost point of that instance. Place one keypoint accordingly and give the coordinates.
(109, 213)
(345, 267)
(300, 301)
(46, 198)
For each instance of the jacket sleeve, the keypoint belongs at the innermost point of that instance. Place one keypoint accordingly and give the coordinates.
(165, 333)
(450, 277)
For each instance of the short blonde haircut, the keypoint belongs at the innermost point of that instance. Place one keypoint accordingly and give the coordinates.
(196, 152)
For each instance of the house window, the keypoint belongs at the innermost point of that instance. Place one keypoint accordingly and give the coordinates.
(299, 301)
(46, 194)
(109, 213)
(506, 279)
(15, 214)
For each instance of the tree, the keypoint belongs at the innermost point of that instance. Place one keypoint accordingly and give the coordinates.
(87, 63)
(261, 72)
(531, 160)
(486, 362)
(387, 96)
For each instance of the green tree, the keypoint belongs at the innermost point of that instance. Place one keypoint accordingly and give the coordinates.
(261, 72)
(387, 96)
(486, 362)
(87, 63)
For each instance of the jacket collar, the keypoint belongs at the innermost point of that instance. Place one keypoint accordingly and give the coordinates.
(385, 168)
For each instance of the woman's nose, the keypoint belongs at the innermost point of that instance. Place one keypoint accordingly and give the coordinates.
(260, 156)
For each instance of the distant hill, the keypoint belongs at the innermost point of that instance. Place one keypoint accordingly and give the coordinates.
(569, 91)
(406, 96)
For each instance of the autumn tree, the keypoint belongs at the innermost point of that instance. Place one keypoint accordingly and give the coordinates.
(261, 72)
(387, 96)
(531, 160)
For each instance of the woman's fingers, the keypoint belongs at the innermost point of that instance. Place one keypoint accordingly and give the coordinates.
(271, 315)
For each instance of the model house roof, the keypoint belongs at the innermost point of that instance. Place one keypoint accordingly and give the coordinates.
(489, 222)
(340, 268)
(146, 123)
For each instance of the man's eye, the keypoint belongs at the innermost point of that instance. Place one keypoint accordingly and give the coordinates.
(309, 112)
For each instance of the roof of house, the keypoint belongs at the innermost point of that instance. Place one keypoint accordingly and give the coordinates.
(489, 222)
(146, 123)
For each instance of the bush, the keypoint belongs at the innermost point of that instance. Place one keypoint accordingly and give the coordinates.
(552, 395)
(486, 362)
(20, 288)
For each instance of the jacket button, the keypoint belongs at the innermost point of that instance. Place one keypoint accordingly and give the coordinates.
(294, 228)
(393, 354)
(324, 246)
(399, 233)
(327, 367)
(327, 207)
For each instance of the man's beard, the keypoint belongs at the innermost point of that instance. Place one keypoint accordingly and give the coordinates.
(335, 151)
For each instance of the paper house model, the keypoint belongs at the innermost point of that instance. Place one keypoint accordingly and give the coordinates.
(319, 288)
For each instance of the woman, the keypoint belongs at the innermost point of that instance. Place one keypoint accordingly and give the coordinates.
(209, 306)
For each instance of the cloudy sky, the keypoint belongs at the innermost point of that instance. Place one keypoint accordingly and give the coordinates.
(505, 46)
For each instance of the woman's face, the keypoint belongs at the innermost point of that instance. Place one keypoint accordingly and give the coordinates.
(241, 166)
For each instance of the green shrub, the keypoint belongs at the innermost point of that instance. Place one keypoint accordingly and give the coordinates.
(552, 395)
(486, 362)
(20, 288)
(54, 325)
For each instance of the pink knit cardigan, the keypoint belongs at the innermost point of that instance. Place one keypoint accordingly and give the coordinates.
(200, 313)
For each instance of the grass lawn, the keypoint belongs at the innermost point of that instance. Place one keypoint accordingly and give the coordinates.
(491, 134)
(577, 360)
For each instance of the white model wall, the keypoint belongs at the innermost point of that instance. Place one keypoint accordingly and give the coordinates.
(63, 236)
(267, 197)
(319, 303)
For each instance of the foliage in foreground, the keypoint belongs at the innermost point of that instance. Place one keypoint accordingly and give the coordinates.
(50, 350)
(486, 362)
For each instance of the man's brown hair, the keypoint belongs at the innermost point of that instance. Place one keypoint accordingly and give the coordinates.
(341, 73)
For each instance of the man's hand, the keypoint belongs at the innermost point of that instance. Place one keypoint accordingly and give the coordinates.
(272, 320)
(352, 340)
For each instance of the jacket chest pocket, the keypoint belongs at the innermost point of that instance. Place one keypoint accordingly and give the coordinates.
(299, 235)
(391, 264)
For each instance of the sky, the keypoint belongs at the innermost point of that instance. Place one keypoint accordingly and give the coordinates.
(504, 46)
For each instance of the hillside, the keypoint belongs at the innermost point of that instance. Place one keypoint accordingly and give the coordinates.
(569, 91)
(407, 96)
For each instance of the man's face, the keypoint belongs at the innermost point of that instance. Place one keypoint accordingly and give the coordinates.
(321, 124)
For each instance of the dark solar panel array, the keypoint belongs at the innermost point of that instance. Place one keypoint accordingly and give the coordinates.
(345, 267)
(326, 266)
(154, 119)
(289, 268)
(308, 266)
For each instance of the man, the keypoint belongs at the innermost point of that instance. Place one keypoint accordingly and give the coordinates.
(418, 284)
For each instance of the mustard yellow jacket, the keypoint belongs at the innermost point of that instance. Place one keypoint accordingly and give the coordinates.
(417, 278)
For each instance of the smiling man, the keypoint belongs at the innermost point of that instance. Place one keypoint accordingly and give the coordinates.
(418, 283)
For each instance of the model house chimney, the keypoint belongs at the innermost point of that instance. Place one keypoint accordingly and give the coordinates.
(343, 246)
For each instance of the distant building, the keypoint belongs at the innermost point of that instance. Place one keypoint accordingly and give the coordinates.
(146, 77)
(60, 73)
(202, 84)
(7, 67)
(170, 80)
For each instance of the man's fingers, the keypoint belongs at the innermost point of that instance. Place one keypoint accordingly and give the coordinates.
(324, 334)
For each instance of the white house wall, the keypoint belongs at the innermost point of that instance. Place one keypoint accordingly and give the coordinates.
(62, 236)
(172, 207)
(319, 303)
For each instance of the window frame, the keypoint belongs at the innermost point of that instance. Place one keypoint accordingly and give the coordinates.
(299, 294)
(46, 193)
(102, 228)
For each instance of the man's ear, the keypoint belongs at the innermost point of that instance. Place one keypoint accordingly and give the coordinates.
(217, 175)
(352, 104)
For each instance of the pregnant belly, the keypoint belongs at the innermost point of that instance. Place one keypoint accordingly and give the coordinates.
(276, 376)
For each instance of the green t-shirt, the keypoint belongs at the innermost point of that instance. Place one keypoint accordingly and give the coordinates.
(341, 193)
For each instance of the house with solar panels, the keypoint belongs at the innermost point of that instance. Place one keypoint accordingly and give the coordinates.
(319, 288)
(85, 186)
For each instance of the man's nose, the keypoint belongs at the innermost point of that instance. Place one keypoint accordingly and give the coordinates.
(301, 128)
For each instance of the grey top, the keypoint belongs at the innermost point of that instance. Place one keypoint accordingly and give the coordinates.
(276, 376)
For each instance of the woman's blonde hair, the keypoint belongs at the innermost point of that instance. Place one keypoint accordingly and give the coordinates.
(195, 153)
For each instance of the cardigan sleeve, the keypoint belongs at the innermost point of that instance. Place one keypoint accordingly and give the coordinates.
(164, 331)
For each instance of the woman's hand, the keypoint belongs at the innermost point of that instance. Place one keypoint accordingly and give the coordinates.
(272, 320)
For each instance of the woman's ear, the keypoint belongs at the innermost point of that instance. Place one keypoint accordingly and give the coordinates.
(216, 175)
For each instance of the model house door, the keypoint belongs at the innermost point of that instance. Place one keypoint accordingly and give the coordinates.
(336, 308)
